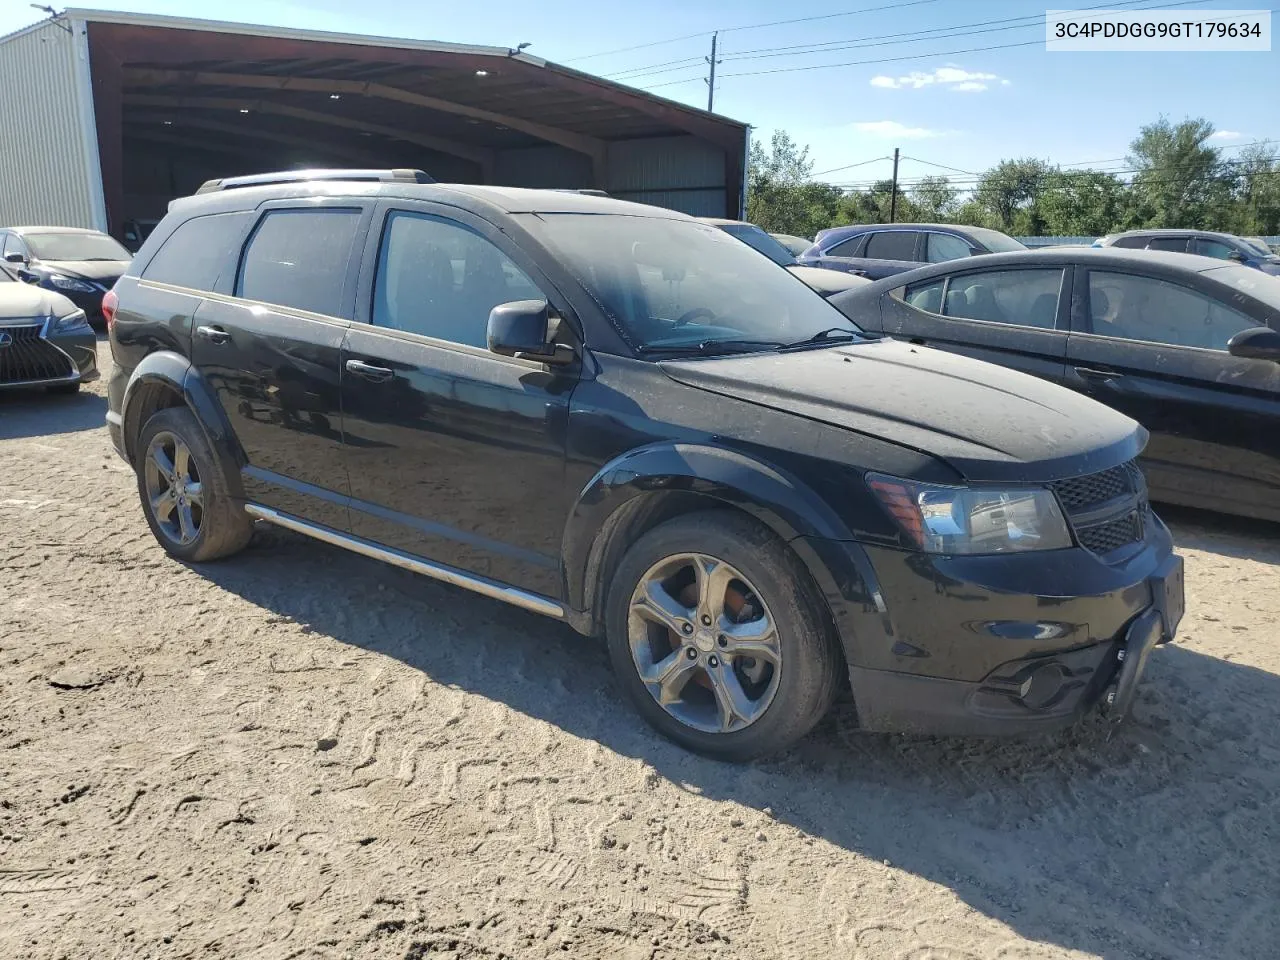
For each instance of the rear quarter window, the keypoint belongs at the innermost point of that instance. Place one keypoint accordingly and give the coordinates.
(197, 253)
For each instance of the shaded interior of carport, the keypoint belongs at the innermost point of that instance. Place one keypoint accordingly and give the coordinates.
(175, 107)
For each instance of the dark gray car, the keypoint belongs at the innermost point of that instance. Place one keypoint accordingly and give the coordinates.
(1204, 243)
(881, 250)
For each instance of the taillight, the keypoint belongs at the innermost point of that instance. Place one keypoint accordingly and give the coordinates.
(109, 304)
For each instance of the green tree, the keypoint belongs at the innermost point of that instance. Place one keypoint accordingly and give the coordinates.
(1179, 178)
(1082, 202)
(934, 198)
(1256, 172)
(781, 195)
(1009, 192)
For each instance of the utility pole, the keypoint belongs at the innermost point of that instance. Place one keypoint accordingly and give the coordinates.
(711, 82)
(893, 195)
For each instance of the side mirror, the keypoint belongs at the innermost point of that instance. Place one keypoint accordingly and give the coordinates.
(522, 329)
(1236, 256)
(14, 257)
(1258, 343)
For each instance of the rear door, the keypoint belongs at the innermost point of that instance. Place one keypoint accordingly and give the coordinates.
(269, 344)
(876, 254)
(1156, 350)
(1016, 316)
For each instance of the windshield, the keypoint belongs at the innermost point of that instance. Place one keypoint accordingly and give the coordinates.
(75, 246)
(995, 241)
(754, 237)
(673, 283)
(1249, 281)
(1256, 245)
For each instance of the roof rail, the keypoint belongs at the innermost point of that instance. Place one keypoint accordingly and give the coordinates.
(400, 175)
(588, 191)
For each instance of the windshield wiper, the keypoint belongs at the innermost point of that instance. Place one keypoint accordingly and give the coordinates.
(830, 335)
(709, 348)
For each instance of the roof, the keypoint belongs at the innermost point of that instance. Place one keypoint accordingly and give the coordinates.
(722, 222)
(1170, 232)
(50, 229)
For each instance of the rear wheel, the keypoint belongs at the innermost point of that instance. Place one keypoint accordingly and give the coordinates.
(183, 490)
(716, 633)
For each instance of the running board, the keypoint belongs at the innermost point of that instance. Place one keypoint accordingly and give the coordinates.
(488, 588)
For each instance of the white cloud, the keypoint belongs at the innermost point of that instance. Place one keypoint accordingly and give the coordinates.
(893, 130)
(1226, 135)
(950, 76)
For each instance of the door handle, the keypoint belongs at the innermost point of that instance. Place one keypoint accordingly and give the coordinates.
(369, 371)
(214, 334)
(1096, 374)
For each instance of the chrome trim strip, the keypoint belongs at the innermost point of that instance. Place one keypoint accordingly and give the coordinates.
(488, 588)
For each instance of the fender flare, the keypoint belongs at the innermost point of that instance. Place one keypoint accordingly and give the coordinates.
(789, 508)
(176, 373)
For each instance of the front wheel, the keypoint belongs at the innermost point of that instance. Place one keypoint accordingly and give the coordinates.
(184, 492)
(716, 633)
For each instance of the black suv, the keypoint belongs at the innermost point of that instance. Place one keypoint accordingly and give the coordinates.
(619, 417)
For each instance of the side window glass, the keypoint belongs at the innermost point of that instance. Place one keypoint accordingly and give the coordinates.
(943, 247)
(13, 245)
(299, 258)
(196, 253)
(845, 248)
(1140, 308)
(1131, 243)
(1027, 298)
(1168, 244)
(1211, 248)
(892, 245)
(925, 296)
(440, 279)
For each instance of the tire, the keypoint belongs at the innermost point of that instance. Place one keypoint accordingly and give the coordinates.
(786, 699)
(65, 389)
(221, 527)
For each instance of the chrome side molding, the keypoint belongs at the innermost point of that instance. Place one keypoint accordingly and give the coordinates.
(488, 588)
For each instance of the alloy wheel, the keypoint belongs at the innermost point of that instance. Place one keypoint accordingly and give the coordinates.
(704, 643)
(175, 495)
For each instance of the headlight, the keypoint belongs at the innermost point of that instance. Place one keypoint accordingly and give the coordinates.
(72, 321)
(71, 283)
(973, 520)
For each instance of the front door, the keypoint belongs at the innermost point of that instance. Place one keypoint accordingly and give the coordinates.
(1156, 350)
(269, 345)
(1015, 317)
(455, 454)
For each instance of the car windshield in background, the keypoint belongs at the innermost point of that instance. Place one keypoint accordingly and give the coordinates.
(1259, 248)
(1249, 281)
(675, 284)
(75, 246)
(995, 241)
(758, 239)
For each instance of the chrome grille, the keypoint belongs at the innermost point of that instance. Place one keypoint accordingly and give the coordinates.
(1105, 509)
(26, 357)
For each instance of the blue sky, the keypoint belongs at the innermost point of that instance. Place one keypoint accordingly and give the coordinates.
(962, 110)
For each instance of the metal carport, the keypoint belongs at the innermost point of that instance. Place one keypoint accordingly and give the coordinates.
(160, 104)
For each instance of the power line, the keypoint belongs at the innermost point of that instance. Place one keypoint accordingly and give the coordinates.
(850, 166)
(753, 26)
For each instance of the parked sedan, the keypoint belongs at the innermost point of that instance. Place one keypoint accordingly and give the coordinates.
(1220, 246)
(1188, 346)
(825, 282)
(44, 340)
(795, 245)
(79, 264)
(881, 250)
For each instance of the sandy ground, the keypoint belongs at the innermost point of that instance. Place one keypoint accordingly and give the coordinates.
(301, 753)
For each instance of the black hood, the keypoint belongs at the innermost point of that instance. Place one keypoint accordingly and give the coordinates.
(986, 422)
(100, 270)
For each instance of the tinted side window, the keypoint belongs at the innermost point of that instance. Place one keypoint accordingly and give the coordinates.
(196, 253)
(943, 246)
(1140, 308)
(925, 296)
(846, 248)
(1131, 243)
(440, 279)
(299, 258)
(1028, 298)
(1211, 248)
(1168, 244)
(892, 245)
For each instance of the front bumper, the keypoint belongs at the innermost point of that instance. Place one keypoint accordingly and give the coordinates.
(1000, 644)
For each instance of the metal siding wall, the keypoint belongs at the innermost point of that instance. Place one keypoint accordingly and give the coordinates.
(679, 173)
(545, 167)
(44, 164)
